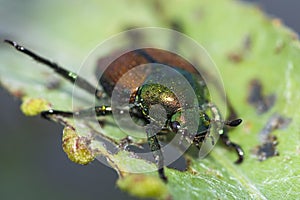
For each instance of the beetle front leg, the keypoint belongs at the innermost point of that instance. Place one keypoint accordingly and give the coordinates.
(237, 147)
(90, 112)
(157, 153)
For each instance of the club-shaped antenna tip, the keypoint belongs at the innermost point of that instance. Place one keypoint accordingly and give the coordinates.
(234, 123)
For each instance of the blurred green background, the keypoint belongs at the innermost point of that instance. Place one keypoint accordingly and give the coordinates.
(32, 163)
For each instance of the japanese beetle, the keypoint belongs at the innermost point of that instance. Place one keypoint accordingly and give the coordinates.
(145, 94)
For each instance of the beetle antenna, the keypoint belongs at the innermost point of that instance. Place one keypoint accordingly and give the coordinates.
(233, 123)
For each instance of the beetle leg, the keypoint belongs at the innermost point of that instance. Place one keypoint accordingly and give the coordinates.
(71, 76)
(157, 153)
(90, 112)
(98, 110)
(237, 147)
(48, 114)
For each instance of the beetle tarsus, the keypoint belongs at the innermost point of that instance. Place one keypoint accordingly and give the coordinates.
(240, 153)
(162, 175)
(237, 148)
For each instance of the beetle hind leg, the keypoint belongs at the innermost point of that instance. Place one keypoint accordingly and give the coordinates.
(69, 75)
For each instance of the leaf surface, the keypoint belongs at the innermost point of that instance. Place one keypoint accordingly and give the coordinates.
(245, 45)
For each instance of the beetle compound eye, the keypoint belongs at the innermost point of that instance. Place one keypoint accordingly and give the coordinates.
(175, 126)
(151, 89)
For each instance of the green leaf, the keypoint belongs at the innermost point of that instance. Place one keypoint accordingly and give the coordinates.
(245, 45)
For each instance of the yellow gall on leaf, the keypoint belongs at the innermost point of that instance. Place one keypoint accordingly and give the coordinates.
(144, 186)
(34, 106)
(76, 147)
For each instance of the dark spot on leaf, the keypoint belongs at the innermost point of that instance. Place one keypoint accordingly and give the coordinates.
(256, 98)
(267, 149)
(269, 141)
(239, 54)
(236, 57)
(275, 122)
(53, 83)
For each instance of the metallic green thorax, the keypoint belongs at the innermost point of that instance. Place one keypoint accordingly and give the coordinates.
(152, 94)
